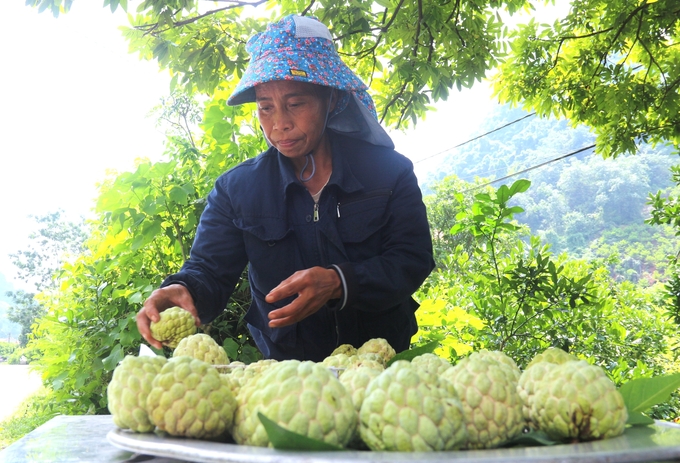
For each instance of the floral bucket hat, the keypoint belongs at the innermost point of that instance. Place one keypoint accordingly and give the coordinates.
(301, 48)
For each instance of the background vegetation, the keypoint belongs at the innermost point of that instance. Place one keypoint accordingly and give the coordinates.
(563, 257)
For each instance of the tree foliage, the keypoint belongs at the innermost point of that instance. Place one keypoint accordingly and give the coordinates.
(613, 66)
(411, 53)
(496, 290)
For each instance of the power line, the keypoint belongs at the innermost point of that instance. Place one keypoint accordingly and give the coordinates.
(475, 138)
(564, 156)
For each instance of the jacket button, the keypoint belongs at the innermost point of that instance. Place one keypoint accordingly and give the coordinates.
(271, 243)
(308, 218)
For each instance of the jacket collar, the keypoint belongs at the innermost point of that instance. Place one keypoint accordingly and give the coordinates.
(342, 175)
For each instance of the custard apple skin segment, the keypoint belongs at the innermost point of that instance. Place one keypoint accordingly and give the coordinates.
(301, 396)
(189, 398)
(503, 359)
(576, 401)
(535, 371)
(552, 355)
(407, 409)
(377, 349)
(174, 325)
(202, 347)
(431, 363)
(128, 390)
(491, 406)
(347, 349)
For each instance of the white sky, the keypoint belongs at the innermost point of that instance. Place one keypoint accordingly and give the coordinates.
(75, 103)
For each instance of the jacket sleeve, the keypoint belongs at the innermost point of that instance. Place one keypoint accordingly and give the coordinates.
(218, 257)
(405, 259)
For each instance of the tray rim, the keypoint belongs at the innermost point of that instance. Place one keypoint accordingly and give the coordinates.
(211, 452)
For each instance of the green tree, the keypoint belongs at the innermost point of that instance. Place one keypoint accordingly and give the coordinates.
(24, 311)
(56, 241)
(501, 292)
(412, 53)
(612, 66)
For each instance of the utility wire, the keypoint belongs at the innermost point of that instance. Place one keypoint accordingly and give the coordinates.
(531, 168)
(475, 138)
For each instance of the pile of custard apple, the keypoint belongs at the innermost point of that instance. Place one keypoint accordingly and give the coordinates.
(357, 398)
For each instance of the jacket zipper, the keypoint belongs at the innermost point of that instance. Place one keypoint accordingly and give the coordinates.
(370, 195)
(335, 315)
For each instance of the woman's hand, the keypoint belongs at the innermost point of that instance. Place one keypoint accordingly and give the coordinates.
(314, 287)
(161, 299)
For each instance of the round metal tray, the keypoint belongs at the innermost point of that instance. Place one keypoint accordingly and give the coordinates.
(658, 442)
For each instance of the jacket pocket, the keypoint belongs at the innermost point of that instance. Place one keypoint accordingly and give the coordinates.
(268, 242)
(362, 215)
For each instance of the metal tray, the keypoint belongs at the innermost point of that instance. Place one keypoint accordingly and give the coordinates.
(658, 442)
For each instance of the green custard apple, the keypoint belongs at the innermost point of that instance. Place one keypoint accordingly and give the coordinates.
(189, 398)
(128, 390)
(303, 397)
(174, 325)
(201, 346)
(487, 389)
(407, 409)
(576, 401)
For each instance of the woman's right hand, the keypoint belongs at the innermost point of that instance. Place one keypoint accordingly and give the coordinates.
(161, 299)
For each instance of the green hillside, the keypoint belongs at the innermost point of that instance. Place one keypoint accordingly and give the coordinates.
(580, 203)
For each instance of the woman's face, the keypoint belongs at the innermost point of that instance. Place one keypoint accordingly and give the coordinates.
(293, 116)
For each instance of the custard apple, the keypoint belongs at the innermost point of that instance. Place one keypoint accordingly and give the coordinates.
(201, 346)
(356, 379)
(347, 349)
(341, 361)
(503, 359)
(128, 390)
(534, 372)
(488, 392)
(240, 373)
(365, 361)
(431, 363)
(303, 397)
(189, 398)
(576, 401)
(552, 355)
(407, 409)
(377, 349)
(174, 325)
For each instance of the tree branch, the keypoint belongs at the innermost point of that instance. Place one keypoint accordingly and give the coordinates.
(148, 28)
(307, 8)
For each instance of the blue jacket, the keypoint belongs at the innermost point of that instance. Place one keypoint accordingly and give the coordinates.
(372, 229)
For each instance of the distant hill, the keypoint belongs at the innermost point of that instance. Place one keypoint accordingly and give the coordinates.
(578, 202)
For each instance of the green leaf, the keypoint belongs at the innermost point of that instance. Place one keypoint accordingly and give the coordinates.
(642, 393)
(114, 358)
(637, 418)
(178, 195)
(231, 348)
(414, 352)
(283, 439)
(531, 439)
(520, 186)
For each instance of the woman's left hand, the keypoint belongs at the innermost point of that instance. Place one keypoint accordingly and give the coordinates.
(314, 287)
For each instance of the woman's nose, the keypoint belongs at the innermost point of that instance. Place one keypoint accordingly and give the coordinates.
(282, 120)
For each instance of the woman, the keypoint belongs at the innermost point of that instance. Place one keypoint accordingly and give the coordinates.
(329, 220)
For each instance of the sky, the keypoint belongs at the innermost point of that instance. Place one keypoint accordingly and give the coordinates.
(75, 104)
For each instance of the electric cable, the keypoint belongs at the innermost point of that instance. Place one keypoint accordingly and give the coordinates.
(564, 156)
(475, 138)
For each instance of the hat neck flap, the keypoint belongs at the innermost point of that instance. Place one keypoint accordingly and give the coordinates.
(357, 121)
